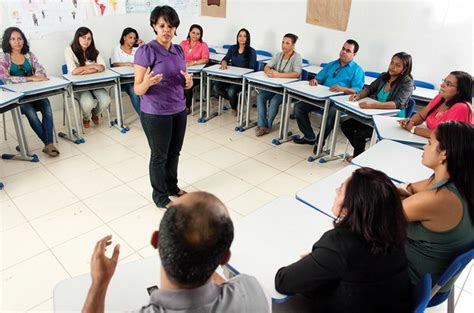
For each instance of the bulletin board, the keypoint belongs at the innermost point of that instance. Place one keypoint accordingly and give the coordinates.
(214, 8)
(332, 14)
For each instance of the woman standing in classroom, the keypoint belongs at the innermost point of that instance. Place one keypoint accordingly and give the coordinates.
(160, 81)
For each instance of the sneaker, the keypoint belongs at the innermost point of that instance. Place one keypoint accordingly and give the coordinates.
(261, 131)
(304, 141)
(95, 119)
(86, 123)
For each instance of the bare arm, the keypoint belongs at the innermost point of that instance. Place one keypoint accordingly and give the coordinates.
(102, 270)
(144, 79)
(378, 105)
(87, 69)
(122, 64)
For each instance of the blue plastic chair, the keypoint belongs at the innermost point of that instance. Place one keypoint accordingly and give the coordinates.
(323, 64)
(212, 50)
(372, 74)
(226, 46)
(422, 292)
(449, 275)
(422, 84)
(64, 68)
(410, 108)
(264, 53)
(305, 62)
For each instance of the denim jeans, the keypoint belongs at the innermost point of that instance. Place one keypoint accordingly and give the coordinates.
(128, 88)
(302, 110)
(44, 129)
(229, 92)
(264, 118)
(165, 135)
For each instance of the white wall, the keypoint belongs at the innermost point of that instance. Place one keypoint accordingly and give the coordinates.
(437, 33)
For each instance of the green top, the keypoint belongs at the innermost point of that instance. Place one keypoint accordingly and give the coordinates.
(21, 70)
(432, 252)
(382, 96)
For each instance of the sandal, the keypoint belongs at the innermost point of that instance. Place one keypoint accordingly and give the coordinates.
(180, 193)
(348, 158)
(52, 151)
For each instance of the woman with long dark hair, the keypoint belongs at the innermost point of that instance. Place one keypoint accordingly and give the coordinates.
(241, 55)
(360, 265)
(160, 81)
(82, 58)
(453, 103)
(18, 65)
(392, 90)
(196, 52)
(285, 64)
(123, 55)
(440, 209)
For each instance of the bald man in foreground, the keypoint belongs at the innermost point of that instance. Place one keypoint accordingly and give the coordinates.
(194, 238)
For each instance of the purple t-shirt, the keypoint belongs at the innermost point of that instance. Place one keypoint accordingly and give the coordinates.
(166, 97)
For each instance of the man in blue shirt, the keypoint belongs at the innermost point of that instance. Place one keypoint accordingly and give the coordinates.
(343, 75)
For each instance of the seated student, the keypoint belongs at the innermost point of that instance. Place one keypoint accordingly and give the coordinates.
(360, 265)
(241, 55)
(123, 55)
(343, 75)
(440, 209)
(194, 238)
(83, 58)
(19, 65)
(196, 52)
(392, 90)
(453, 103)
(285, 64)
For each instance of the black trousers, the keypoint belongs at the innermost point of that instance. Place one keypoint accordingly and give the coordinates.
(357, 133)
(189, 93)
(165, 135)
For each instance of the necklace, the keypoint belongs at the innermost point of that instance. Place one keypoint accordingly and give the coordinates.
(281, 70)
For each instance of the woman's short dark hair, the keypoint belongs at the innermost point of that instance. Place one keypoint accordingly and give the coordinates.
(167, 13)
(91, 52)
(127, 31)
(6, 40)
(463, 92)
(193, 27)
(293, 37)
(373, 210)
(457, 139)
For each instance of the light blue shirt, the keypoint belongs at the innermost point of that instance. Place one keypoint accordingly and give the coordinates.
(350, 75)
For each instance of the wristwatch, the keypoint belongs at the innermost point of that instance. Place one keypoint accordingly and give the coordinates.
(413, 130)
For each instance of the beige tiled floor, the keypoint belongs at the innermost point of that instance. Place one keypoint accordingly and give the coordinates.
(53, 212)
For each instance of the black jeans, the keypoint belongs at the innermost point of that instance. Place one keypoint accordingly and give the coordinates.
(229, 92)
(357, 133)
(189, 93)
(302, 110)
(165, 134)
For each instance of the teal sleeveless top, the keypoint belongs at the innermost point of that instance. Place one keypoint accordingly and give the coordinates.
(21, 70)
(432, 252)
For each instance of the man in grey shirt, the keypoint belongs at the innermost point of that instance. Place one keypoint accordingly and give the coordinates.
(194, 238)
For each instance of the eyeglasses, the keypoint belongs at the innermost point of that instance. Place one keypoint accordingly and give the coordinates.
(448, 83)
(336, 72)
